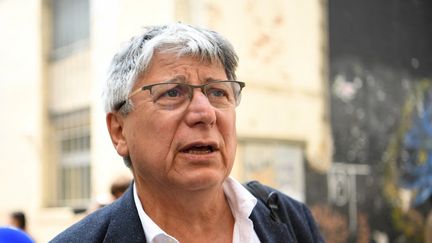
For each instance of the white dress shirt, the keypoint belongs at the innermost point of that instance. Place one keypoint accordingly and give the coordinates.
(240, 200)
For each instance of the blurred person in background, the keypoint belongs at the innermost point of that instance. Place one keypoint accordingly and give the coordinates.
(17, 232)
(170, 100)
(119, 186)
(18, 220)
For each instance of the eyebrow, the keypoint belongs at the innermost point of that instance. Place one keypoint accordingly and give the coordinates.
(176, 79)
(208, 80)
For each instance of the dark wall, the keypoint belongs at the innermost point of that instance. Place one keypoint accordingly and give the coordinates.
(380, 65)
(397, 33)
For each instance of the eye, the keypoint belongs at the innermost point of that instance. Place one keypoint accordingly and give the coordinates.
(217, 92)
(172, 93)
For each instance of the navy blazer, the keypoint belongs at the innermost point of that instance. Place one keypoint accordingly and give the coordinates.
(119, 222)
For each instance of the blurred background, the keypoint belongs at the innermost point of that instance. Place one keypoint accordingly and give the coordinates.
(337, 111)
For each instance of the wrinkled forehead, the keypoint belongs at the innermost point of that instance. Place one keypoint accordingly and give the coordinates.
(174, 66)
(165, 57)
(202, 52)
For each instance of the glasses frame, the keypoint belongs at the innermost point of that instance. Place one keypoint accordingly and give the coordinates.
(190, 86)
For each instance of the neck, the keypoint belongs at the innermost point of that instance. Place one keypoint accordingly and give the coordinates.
(187, 215)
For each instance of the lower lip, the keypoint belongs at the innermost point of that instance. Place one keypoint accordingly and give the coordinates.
(198, 156)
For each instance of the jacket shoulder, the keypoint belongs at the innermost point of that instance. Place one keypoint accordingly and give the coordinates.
(117, 222)
(295, 215)
(92, 228)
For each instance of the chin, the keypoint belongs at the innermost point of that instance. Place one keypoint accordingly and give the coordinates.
(203, 180)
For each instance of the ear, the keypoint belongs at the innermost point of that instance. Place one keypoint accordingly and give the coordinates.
(115, 128)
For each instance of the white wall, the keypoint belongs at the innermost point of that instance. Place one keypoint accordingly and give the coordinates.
(20, 105)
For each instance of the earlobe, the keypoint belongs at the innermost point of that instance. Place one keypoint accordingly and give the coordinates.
(115, 128)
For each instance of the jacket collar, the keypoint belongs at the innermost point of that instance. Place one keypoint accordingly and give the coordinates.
(125, 225)
(267, 229)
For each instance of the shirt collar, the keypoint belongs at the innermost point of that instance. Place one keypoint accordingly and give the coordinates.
(241, 202)
(152, 231)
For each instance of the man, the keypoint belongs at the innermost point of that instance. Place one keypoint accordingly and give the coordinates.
(170, 100)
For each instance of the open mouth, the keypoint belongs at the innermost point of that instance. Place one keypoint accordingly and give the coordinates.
(198, 149)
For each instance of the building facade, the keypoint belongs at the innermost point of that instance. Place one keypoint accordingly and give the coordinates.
(57, 157)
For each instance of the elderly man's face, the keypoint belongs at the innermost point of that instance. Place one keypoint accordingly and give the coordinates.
(190, 147)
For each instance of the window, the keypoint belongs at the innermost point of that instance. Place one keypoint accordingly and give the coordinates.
(276, 163)
(73, 172)
(70, 26)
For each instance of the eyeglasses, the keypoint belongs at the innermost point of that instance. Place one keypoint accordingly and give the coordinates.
(170, 95)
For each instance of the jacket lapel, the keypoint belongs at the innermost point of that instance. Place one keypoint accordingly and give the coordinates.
(125, 225)
(267, 229)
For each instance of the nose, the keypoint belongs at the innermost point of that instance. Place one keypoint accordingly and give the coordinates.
(200, 111)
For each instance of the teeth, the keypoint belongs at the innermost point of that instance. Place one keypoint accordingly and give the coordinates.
(200, 150)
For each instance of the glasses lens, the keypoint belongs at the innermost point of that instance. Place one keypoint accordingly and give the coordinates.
(223, 94)
(170, 95)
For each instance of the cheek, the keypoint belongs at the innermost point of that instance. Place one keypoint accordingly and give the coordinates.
(228, 123)
(156, 132)
(150, 148)
(228, 131)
